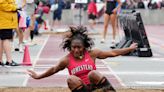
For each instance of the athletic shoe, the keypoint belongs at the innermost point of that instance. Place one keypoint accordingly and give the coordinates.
(2, 64)
(102, 41)
(113, 44)
(11, 64)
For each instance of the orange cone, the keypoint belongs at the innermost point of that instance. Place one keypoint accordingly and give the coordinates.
(26, 57)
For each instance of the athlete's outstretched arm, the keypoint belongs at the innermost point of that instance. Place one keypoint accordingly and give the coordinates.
(115, 52)
(60, 66)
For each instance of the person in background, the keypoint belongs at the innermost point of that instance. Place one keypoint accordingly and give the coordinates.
(39, 17)
(111, 15)
(162, 4)
(57, 13)
(21, 24)
(152, 4)
(30, 9)
(8, 22)
(92, 14)
(140, 5)
(50, 19)
(67, 4)
(80, 62)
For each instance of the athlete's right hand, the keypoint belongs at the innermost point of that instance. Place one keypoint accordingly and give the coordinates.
(32, 74)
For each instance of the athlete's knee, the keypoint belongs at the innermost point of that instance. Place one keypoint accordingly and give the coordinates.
(76, 85)
(73, 82)
(94, 76)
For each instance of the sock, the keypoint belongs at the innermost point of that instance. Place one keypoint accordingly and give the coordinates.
(45, 25)
(32, 35)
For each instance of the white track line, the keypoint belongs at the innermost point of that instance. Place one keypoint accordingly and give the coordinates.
(112, 72)
(149, 82)
(37, 57)
(140, 73)
(49, 59)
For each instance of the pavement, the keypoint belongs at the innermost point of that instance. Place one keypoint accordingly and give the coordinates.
(124, 72)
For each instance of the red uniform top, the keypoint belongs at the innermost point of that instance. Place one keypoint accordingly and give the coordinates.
(81, 68)
(92, 9)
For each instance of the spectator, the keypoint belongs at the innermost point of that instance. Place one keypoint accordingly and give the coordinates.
(111, 15)
(162, 3)
(124, 5)
(77, 6)
(131, 4)
(39, 19)
(152, 5)
(146, 3)
(22, 24)
(57, 13)
(51, 2)
(67, 4)
(140, 5)
(30, 8)
(8, 22)
(92, 14)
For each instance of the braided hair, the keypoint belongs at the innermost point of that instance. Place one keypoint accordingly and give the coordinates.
(80, 33)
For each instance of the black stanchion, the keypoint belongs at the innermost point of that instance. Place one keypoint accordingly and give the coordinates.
(134, 30)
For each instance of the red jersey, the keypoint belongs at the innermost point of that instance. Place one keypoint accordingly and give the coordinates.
(92, 9)
(81, 68)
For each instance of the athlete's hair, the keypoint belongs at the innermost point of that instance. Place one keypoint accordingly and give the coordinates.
(80, 33)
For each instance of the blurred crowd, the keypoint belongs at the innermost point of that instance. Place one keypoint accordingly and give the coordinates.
(143, 4)
(126, 4)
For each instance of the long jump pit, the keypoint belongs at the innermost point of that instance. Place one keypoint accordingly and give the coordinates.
(60, 89)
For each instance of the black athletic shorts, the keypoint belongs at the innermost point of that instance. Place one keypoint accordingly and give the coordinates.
(6, 34)
(92, 16)
(110, 6)
(57, 16)
(39, 20)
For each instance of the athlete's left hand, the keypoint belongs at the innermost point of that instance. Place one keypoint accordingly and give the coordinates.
(134, 46)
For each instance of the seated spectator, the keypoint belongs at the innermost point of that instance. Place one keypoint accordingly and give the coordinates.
(124, 5)
(67, 4)
(162, 3)
(152, 5)
(140, 5)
